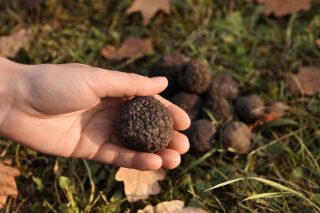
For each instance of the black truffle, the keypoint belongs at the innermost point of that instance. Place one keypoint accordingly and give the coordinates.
(236, 135)
(223, 85)
(189, 102)
(195, 77)
(218, 106)
(250, 108)
(144, 125)
(170, 67)
(201, 135)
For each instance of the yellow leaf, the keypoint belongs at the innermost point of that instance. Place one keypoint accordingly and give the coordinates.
(148, 8)
(8, 186)
(139, 185)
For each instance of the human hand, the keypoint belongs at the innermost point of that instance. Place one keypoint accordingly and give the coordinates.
(69, 110)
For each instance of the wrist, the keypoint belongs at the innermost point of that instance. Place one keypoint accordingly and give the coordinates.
(8, 71)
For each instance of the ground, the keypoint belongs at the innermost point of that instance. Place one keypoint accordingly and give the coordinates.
(235, 37)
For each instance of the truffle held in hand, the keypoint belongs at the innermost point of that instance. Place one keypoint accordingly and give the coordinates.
(195, 77)
(236, 135)
(201, 135)
(144, 125)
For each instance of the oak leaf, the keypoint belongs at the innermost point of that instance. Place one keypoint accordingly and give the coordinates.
(148, 8)
(130, 48)
(8, 186)
(139, 185)
(285, 7)
(176, 206)
(307, 81)
(10, 45)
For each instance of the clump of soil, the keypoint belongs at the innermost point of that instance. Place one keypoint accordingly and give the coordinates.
(236, 135)
(170, 66)
(144, 125)
(224, 86)
(189, 102)
(201, 135)
(195, 77)
(250, 108)
(218, 106)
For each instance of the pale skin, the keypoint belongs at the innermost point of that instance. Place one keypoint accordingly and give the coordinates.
(69, 110)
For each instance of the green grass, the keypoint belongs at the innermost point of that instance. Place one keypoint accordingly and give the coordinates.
(235, 38)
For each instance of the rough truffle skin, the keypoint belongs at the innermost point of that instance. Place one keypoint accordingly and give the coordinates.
(250, 108)
(195, 77)
(223, 85)
(189, 102)
(236, 135)
(170, 66)
(218, 106)
(144, 125)
(201, 135)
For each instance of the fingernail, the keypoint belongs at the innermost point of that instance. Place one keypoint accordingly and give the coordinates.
(159, 80)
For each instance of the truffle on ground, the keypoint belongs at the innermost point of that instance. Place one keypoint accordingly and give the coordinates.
(236, 135)
(189, 102)
(250, 108)
(201, 135)
(195, 77)
(170, 67)
(144, 125)
(224, 86)
(218, 106)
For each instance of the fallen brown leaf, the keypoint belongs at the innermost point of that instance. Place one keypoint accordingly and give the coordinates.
(306, 82)
(148, 8)
(130, 48)
(10, 45)
(175, 206)
(285, 7)
(8, 186)
(139, 185)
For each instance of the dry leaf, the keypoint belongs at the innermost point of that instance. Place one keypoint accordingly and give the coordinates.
(175, 206)
(307, 81)
(8, 186)
(10, 45)
(130, 48)
(148, 8)
(139, 185)
(285, 7)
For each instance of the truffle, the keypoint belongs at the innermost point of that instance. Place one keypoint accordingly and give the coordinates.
(201, 135)
(224, 86)
(218, 106)
(144, 125)
(170, 67)
(236, 135)
(195, 77)
(250, 108)
(189, 102)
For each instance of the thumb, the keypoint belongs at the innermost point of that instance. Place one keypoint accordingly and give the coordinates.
(121, 84)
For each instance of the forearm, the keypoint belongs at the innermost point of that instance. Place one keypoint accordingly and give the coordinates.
(7, 88)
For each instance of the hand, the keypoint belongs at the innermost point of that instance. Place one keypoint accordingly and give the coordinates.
(69, 110)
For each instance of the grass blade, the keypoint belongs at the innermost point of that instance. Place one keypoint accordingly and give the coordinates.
(265, 195)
